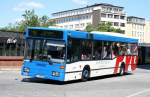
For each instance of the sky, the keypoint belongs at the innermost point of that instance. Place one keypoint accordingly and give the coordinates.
(11, 10)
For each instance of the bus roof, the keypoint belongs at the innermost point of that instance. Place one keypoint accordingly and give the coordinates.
(96, 35)
(71, 33)
(111, 36)
(53, 28)
(47, 28)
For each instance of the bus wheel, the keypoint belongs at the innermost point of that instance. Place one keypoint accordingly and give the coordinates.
(122, 69)
(85, 73)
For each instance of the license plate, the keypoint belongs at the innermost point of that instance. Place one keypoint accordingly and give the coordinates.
(39, 76)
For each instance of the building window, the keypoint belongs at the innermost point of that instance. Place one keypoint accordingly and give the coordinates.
(120, 9)
(122, 17)
(104, 9)
(109, 9)
(76, 18)
(89, 23)
(115, 9)
(71, 26)
(82, 25)
(116, 16)
(76, 25)
(129, 19)
(116, 24)
(103, 15)
(110, 16)
(122, 24)
(88, 17)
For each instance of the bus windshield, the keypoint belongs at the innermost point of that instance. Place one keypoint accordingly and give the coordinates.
(45, 50)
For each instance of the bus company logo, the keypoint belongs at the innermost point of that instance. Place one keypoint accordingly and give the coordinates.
(128, 60)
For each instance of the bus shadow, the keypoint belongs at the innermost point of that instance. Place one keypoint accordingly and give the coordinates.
(47, 81)
(147, 66)
(108, 76)
(42, 81)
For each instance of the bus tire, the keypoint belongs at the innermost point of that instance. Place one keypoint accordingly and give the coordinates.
(122, 69)
(85, 73)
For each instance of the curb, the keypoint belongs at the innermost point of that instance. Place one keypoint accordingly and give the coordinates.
(10, 69)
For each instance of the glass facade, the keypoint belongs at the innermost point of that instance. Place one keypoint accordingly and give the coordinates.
(11, 44)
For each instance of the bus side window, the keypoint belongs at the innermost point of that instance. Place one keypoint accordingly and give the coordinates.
(134, 49)
(107, 51)
(124, 49)
(97, 52)
(120, 49)
(75, 50)
(86, 50)
(117, 49)
(128, 50)
(114, 50)
(104, 52)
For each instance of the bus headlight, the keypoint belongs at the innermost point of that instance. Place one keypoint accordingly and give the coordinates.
(54, 73)
(25, 69)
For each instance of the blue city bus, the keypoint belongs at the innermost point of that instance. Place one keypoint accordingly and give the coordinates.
(64, 55)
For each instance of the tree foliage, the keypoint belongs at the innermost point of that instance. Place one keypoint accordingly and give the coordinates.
(90, 28)
(30, 19)
(104, 27)
(10, 27)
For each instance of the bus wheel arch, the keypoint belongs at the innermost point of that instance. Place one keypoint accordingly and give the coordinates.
(86, 73)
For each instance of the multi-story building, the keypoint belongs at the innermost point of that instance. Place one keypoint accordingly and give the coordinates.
(147, 32)
(135, 27)
(78, 19)
(146, 43)
(140, 28)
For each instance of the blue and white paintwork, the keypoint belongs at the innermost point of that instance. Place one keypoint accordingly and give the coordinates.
(73, 71)
(44, 70)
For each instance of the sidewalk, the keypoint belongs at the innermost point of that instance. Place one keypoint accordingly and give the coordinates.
(10, 68)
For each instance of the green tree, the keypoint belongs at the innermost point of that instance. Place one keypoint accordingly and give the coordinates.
(119, 31)
(10, 27)
(104, 27)
(90, 28)
(30, 19)
(44, 21)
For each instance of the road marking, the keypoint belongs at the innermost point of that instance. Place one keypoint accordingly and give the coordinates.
(138, 93)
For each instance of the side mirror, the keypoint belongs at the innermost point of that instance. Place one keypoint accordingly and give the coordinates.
(49, 59)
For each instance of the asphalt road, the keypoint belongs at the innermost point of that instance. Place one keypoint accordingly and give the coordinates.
(132, 85)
